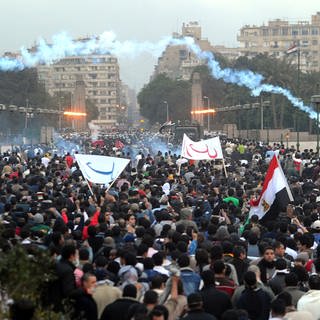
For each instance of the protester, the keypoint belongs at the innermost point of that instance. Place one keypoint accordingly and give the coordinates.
(165, 232)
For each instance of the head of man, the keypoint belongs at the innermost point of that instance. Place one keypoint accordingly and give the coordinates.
(268, 254)
(89, 282)
(195, 301)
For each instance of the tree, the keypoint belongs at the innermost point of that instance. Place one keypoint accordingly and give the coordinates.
(25, 275)
(23, 89)
(175, 92)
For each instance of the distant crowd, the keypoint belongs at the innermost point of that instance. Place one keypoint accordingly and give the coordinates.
(169, 239)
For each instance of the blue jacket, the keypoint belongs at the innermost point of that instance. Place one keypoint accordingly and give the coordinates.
(190, 280)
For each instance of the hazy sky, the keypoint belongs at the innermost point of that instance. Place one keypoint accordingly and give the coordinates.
(22, 22)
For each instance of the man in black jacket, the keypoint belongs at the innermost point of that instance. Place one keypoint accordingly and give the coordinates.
(85, 306)
(253, 299)
(120, 309)
(64, 287)
(209, 293)
(195, 306)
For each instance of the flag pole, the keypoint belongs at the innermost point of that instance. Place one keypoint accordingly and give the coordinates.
(110, 185)
(89, 186)
(114, 180)
(224, 167)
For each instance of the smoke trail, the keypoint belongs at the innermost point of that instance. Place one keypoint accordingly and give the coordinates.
(63, 46)
(62, 146)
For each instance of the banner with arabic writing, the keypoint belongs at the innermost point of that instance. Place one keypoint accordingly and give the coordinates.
(209, 149)
(100, 169)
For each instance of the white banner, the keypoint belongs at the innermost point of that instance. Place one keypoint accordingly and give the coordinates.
(209, 149)
(100, 169)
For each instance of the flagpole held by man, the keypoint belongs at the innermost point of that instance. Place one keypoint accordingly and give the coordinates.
(275, 194)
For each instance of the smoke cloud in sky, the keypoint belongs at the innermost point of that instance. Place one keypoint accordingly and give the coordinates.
(62, 45)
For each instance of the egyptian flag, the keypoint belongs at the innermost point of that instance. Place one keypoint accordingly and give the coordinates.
(292, 49)
(275, 194)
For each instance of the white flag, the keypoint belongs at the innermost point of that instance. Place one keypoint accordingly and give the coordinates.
(100, 169)
(209, 149)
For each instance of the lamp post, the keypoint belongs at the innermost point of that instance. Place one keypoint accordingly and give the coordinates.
(298, 94)
(287, 140)
(316, 100)
(208, 105)
(166, 103)
(26, 118)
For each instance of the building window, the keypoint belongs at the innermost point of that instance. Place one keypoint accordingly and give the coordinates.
(295, 32)
(275, 32)
(284, 31)
(265, 32)
(314, 31)
(304, 43)
(183, 54)
(304, 32)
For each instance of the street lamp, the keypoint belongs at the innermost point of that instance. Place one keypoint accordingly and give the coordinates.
(287, 139)
(316, 100)
(208, 101)
(166, 103)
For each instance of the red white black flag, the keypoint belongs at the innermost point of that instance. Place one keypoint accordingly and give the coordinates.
(275, 194)
(292, 49)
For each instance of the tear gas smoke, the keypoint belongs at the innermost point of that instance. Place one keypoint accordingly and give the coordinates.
(63, 46)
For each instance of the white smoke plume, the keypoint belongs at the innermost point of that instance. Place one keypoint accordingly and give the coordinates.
(63, 46)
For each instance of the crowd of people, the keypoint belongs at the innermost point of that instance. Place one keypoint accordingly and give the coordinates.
(169, 239)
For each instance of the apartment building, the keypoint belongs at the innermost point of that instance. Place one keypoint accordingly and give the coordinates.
(278, 36)
(100, 73)
(178, 62)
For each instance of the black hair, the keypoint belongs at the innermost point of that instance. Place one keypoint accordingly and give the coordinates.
(314, 282)
(67, 251)
(84, 254)
(208, 278)
(158, 311)
(183, 261)
(158, 258)
(219, 266)
(130, 291)
(278, 307)
(130, 259)
(150, 297)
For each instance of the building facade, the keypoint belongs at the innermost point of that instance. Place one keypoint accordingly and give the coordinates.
(100, 74)
(278, 36)
(178, 62)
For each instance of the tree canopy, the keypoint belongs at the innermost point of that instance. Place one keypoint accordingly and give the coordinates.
(24, 89)
(278, 72)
